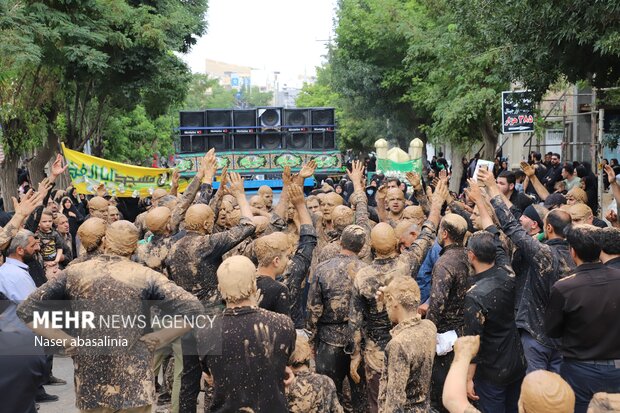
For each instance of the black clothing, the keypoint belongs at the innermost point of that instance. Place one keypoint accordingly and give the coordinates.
(296, 274)
(613, 263)
(520, 201)
(597, 222)
(554, 174)
(488, 313)
(248, 363)
(273, 295)
(583, 311)
(538, 269)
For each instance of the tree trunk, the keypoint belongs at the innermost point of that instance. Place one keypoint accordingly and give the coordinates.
(8, 180)
(39, 162)
(489, 137)
(457, 169)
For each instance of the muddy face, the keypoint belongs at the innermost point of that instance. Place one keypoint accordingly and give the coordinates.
(395, 200)
(113, 214)
(199, 217)
(342, 216)
(414, 213)
(313, 206)
(98, 207)
(258, 203)
(266, 193)
(329, 202)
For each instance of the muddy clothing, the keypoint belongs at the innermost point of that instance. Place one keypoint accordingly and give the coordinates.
(451, 280)
(153, 253)
(85, 257)
(248, 363)
(365, 319)
(105, 285)
(406, 378)
(560, 249)
(489, 313)
(140, 223)
(329, 300)
(273, 295)
(312, 393)
(193, 260)
(51, 242)
(539, 269)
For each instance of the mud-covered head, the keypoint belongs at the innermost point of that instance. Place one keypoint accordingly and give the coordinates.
(91, 233)
(266, 193)
(302, 354)
(401, 292)
(257, 202)
(158, 194)
(406, 232)
(452, 229)
(342, 216)
(383, 240)
(199, 218)
(414, 213)
(543, 391)
(272, 251)
(98, 207)
(226, 208)
(353, 238)
(157, 220)
(121, 238)
(236, 278)
(168, 201)
(328, 203)
(113, 214)
(395, 200)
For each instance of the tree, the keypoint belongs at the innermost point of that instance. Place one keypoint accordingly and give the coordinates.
(543, 40)
(84, 61)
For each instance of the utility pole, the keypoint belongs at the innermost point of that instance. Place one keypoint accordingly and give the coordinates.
(599, 163)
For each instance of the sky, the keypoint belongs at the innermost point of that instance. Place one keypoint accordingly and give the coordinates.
(288, 36)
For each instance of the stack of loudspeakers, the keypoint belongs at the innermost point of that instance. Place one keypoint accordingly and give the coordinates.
(260, 128)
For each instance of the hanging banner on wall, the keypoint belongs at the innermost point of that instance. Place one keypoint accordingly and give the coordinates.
(121, 180)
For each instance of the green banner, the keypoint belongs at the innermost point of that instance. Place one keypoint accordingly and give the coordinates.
(386, 165)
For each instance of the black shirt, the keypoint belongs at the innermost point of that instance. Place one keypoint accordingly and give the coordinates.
(273, 295)
(520, 201)
(614, 263)
(583, 310)
(248, 364)
(489, 313)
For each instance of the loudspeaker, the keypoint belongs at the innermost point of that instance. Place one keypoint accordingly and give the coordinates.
(269, 119)
(244, 141)
(298, 140)
(199, 143)
(192, 118)
(323, 118)
(220, 120)
(186, 143)
(244, 122)
(272, 140)
(219, 142)
(297, 120)
(323, 125)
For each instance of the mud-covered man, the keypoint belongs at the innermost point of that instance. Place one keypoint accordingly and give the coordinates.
(113, 379)
(329, 301)
(366, 319)
(310, 392)
(407, 368)
(248, 361)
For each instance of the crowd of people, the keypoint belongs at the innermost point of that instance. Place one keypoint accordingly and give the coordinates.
(364, 294)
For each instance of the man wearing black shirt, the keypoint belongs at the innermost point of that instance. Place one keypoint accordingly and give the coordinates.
(583, 312)
(506, 182)
(554, 173)
(496, 374)
(610, 246)
(249, 363)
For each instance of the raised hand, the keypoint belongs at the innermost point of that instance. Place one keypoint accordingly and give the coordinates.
(381, 193)
(308, 169)
(486, 177)
(29, 203)
(208, 164)
(611, 174)
(473, 192)
(101, 191)
(414, 180)
(295, 195)
(287, 178)
(57, 168)
(527, 169)
(45, 185)
(236, 185)
(356, 172)
(175, 177)
(441, 194)
(443, 175)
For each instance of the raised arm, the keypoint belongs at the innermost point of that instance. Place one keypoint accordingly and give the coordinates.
(530, 172)
(454, 396)
(358, 199)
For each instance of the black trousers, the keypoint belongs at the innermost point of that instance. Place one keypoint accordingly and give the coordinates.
(333, 362)
(441, 366)
(190, 378)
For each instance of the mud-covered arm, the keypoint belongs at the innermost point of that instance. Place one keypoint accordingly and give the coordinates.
(222, 242)
(185, 201)
(22, 209)
(356, 319)
(440, 290)
(314, 309)
(395, 390)
(416, 253)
